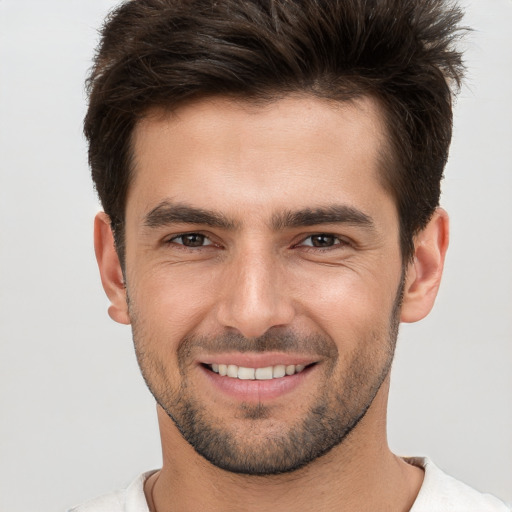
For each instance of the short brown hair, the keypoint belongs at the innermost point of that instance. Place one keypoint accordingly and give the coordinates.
(161, 53)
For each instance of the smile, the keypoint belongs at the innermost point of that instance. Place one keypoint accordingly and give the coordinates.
(257, 377)
(267, 373)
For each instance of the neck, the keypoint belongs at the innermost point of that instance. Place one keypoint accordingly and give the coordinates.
(358, 475)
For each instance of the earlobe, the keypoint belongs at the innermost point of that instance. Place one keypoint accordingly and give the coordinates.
(425, 270)
(110, 269)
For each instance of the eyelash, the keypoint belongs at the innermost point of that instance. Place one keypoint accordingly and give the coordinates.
(337, 242)
(173, 239)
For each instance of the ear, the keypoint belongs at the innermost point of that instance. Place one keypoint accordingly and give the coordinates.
(425, 270)
(110, 269)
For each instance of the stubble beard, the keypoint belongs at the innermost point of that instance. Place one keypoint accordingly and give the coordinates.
(335, 413)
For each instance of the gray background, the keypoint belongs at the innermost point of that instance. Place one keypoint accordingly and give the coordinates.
(76, 419)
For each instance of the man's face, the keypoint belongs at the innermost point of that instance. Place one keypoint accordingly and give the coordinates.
(260, 241)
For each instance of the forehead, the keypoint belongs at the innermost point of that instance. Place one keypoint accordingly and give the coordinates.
(224, 152)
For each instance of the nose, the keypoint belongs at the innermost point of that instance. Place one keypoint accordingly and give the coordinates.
(254, 297)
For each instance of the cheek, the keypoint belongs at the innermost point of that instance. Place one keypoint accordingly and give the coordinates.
(173, 301)
(170, 301)
(348, 305)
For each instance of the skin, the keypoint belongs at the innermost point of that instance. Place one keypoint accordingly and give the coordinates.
(256, 276)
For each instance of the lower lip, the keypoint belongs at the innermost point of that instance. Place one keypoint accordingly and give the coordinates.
(257, 390)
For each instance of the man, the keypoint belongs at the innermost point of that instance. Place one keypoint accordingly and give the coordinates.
(270, 174)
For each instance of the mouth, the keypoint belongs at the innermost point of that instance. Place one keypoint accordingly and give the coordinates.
(254, 378)
(277, 371)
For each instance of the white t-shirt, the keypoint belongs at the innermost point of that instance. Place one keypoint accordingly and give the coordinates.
(439, 493)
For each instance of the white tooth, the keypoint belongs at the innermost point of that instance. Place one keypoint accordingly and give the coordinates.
(290, 369)
(300, 367)
(279, 371)
(245, 373)
(264, 373)
(232, 370)
(215, 368)
(223, 369)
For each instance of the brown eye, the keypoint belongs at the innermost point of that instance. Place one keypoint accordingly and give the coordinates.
(191, 240)
(321, 240)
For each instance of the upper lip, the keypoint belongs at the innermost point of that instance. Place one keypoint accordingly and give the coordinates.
(257, 360)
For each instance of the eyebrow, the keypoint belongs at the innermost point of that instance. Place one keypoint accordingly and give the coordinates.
(167, 213)
(335, 214)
